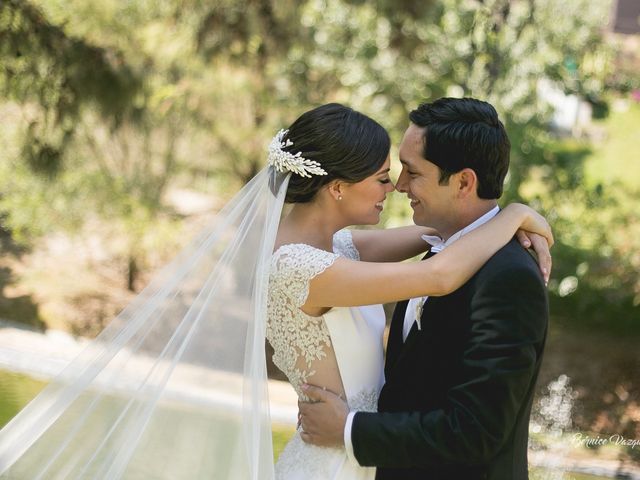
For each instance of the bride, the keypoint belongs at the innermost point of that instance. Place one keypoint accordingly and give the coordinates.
(325, 281)
(175, 387)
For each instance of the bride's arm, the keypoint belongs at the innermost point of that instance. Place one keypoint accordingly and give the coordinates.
(391, 244)
(401, 243)
(351, 283)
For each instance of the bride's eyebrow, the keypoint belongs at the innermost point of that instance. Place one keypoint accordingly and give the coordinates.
(386, 170)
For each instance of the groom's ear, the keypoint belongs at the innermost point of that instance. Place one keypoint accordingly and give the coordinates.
(466, 182)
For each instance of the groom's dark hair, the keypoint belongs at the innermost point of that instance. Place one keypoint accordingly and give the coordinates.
(465, 133)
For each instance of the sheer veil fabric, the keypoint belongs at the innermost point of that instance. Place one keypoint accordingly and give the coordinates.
(175, 387)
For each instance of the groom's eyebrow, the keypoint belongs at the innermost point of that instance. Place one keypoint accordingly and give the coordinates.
(406, 164)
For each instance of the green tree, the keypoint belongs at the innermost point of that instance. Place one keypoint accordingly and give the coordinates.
(200, 88)
(115, 129)
(56, 75)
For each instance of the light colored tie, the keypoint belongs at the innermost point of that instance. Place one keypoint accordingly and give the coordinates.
(419, 308)
(437, 244)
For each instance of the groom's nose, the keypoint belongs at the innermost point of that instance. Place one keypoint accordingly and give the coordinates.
(401, 184)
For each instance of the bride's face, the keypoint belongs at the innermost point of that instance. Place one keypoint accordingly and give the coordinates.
(363, 201)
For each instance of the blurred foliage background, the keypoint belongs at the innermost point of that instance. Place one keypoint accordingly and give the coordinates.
(124, 125)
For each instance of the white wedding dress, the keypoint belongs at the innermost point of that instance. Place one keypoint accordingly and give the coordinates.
(345, 339)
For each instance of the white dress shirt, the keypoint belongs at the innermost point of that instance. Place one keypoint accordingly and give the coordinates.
(414, 307)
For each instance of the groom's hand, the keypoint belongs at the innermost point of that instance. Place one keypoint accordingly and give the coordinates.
(323, 420)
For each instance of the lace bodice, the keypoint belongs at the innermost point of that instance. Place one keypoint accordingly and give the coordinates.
(299, 339)
(345, 342)
(343, 245)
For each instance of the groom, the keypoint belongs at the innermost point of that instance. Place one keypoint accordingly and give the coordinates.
(460, 369)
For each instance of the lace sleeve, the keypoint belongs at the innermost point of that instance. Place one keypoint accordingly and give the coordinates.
(295, 266)
(343, 244)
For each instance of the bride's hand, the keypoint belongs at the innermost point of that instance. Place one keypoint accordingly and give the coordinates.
(532, 221)
(541, 248)
(535, 232)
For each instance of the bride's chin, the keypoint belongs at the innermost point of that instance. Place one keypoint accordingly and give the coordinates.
(374, 220)
(368, 219)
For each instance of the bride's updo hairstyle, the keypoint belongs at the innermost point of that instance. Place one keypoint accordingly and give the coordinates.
(348, 145)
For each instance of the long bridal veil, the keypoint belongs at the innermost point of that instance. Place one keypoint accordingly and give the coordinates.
(175, 387)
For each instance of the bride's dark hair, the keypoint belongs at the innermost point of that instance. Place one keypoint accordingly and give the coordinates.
(347, 144)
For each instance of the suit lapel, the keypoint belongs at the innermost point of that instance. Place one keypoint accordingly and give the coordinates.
(408, 346)
(394, 343)
(396, 347)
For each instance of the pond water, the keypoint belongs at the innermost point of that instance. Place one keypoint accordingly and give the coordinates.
(16, 390)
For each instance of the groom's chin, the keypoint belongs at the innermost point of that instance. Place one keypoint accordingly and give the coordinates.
(422, 222)
(419, 221)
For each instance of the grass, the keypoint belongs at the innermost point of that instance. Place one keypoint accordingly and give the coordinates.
(544, 474)
(281, 435)
(15, 392)
(612, 158)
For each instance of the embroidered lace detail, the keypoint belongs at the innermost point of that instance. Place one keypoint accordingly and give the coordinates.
(343, 244)
(364, 401)
(301, 460)
(299, 339)
(301, 344)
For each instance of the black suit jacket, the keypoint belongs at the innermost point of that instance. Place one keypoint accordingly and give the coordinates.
(458, 392)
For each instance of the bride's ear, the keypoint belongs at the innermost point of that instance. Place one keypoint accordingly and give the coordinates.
(336, 189)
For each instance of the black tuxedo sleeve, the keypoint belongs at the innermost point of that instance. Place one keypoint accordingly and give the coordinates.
(508, 316)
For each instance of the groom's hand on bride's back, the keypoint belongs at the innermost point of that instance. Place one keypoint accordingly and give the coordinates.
(322, 418)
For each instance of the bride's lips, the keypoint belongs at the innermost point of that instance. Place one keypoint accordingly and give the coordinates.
(380, 205)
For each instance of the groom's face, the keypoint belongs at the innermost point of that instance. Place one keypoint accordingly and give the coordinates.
(433, 204)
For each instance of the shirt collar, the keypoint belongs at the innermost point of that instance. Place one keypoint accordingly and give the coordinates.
(437, 244)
